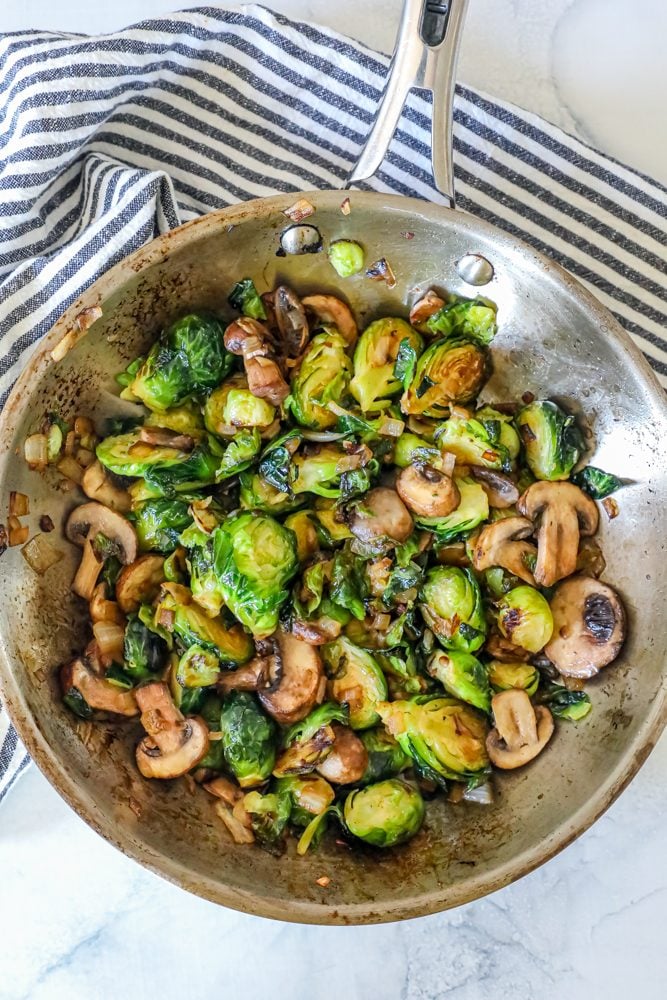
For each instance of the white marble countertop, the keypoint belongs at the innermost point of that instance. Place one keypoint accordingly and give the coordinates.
(80, 921)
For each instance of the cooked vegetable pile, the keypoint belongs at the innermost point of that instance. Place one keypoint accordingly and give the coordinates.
(327, 581)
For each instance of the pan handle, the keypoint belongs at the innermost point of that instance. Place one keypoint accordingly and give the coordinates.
(425, 58)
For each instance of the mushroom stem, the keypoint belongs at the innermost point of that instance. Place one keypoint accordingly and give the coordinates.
(87, 574)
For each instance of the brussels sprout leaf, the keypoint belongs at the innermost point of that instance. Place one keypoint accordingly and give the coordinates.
(246, 299)
(406, 363)
(596, 483)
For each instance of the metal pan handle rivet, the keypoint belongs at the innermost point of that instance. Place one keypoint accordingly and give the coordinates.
(474, 269)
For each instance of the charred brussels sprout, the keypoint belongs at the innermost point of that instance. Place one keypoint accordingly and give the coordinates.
(386, 757)
(254, 560)
(552, 441)
(323, 376)
(355, 680)
(385, 814)
(375, 381)
(565, 704)
(269, 815)
(451, 603)
(478, 442)
(505, 676)
(307, 743)
(473, 508)
(197, 668)
(524, 617)
(445, 738)
(159, 524)
(166, 470)
(245, 298)
(144, 652)
(248, 739)
(449, 371)
(471, 318)
(463, 676)
(232, 645)
(596, 483)
(190, 357)
(310, 796)
(346, 257)
(232, 406)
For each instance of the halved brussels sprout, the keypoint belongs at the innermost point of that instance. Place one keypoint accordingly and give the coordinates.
(322, 470)
(232, 405)
(248, 738)
(386, 757)
(552, 441)
(166, 470)
(445, 738)
(197, 668)
(323, 376)
(410, 447)
(204, 582)
(254, 559)
(269, 815)
(335, 530)
(509, 436)
(477, 442)
(451, 604)
(470, 318)
(504, 676)
(355, 680)
(144, 652)
(231, 645)
(449, 371)
(310, 795)
(385, 814)
(524, 617)
(375, 381)
(184, 419)
(305, 527)
(257, 494)
(463, 676)
(473, 508)
(307, 743)
(159, 524)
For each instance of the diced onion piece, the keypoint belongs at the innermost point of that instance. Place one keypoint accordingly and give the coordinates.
(299, 211)
(84, 457)
(35, 449)
(346, 207)
(381, 622)
(79, 328)
(110, 638)
(17, 534)
(240, 833)
(40, 555)
(321, 437)
(391, 427)
(19, 504)
(70, 468)
(448, 462)
(71, 443)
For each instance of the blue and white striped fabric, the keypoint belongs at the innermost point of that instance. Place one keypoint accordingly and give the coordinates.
(107, 142)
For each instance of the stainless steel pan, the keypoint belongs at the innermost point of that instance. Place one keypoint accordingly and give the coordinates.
(554, 340)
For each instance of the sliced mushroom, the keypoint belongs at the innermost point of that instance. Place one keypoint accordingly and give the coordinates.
(500, 648)
(224, 789)
(139, 582)
(83, 526)
(501, 491)
(381, 514)
(521, 730)
(348, 759)
(295, 673)
(98, 484)
(565, 512)
(589, 627)
(251, 677)
(174, 744)
(425, 307)
(291, 319)
(427, 492)
(503, 544)
(330, 311)
(252, 340)
(162, 437)
(95, 690)
(317, 631)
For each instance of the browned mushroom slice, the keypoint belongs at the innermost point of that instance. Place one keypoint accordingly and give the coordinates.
(162, 437)
(521, 731)
(250, 677)
(381, 514)
(327, 310)
(291, 319)
(174, 745)
(348, 759)
(503, 544)
(252, 340)
(589, 627)
(97, 483)
(95, 690)
(83, 526)
(502, 492)
(427, 492)
(139, 582)
(295, 672)
(500, 648)
(564, 512)
(103, 610)
(428, 305)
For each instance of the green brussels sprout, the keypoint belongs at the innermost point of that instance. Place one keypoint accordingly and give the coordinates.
(552, 441)
(497, 580)
(375, 381)
(386, 757)
(269, 816)
(159, 524)
(469, 318)
(334, 531)
(166, 470)
(307, 743)
(346, 257)
(401, 671)
(257, 494)
(249, 739)
(445, 738)
(323, 376)
(473, 508)
(184, 419)
(348, 585)
(239, 454)
(355, 680)
(477, 442)
(596, 483)
(188, 700)
(76, 703)
(254, 559)
(245, 298)
(232, 405)
(463, 676)
(449, 371)
(204, 583)
(197, 668)
(190, 357)
(322, 471)
(410, 448)
(509, 436)
(385, 814)
(310, 795)
(305, 527)
(232, 645)
(565, 704)
(524, 617)
(504, 676)
(451, 604)
(144, 652)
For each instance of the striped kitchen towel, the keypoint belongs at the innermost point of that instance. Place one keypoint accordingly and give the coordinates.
(107, 142)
